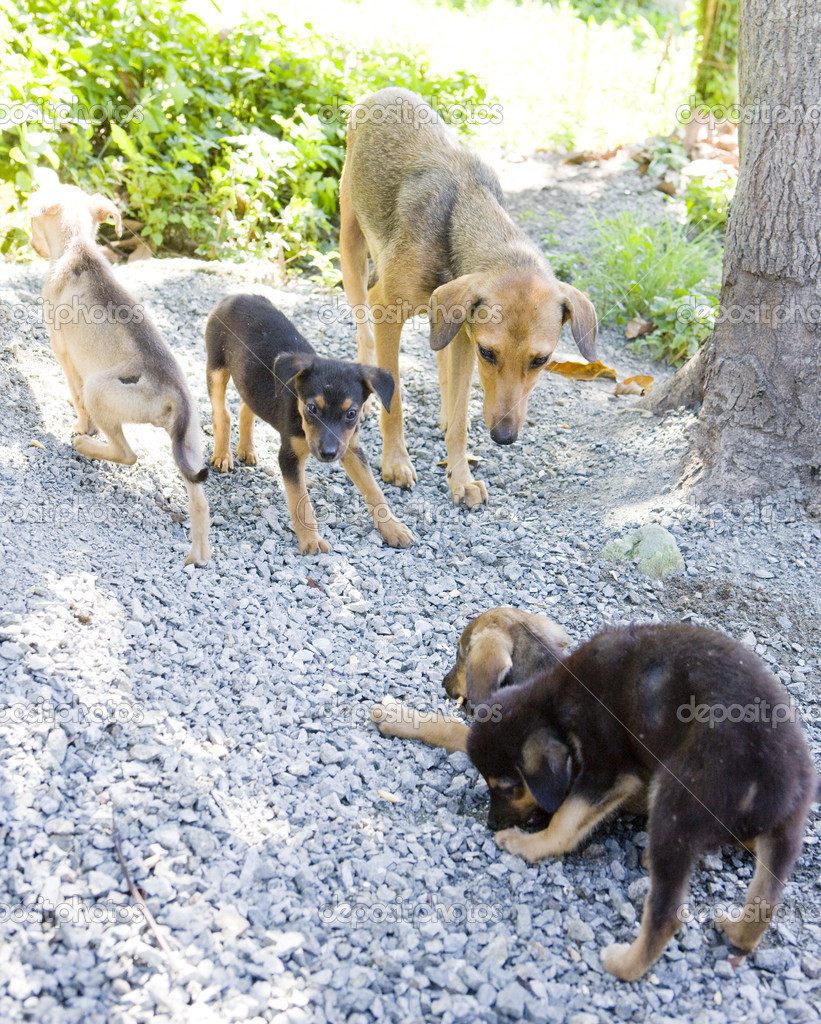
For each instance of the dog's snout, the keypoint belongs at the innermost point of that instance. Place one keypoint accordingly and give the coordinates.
(327, 452)
(504, 433)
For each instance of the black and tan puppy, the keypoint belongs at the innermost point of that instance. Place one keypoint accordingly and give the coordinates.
(430, 213)
(503, 647)
(676, 714)
(315, 404)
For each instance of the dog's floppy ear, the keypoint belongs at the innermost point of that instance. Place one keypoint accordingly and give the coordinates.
(578, 309)
(288, 366)
(450, 306)
(547, 768)
(103, 208)
(550, 634)
(381, 382)
(489, 659)
(43, 203)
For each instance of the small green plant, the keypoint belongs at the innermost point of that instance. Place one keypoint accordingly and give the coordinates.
(708, 204)
(654, 273)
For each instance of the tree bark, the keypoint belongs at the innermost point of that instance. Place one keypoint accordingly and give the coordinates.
(759, 428)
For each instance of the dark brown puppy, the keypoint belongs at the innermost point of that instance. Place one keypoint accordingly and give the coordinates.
(314, 403)
(503, 647)
(682, 713)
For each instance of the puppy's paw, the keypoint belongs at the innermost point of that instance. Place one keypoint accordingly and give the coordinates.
(247, 455)
(740, 929)
(198, 555)
(513, 840)
(398, 470)
(222, 462)
(313, 544)
(619, 959)
(83, 425)
(473, 493)
(396, 534)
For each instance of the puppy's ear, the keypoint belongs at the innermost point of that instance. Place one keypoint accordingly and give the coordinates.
(102, 208)
(289, 366)
(450, 306)
(550, 634)
(547, 768)
(489, 659)
(381, 382)
(41, 204)
(578, 309)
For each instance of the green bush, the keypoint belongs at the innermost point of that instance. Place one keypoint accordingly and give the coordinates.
(657, 273)
(224, 144)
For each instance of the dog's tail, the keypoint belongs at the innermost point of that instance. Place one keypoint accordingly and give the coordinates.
(185, 442)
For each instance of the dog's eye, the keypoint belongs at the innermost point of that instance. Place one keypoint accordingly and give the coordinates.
(487, 354)
(352, 413)
(311, 408)
(538, 361)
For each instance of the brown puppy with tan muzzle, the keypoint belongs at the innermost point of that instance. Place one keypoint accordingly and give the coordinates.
(118, 366)
(431, 215)
(503, 647)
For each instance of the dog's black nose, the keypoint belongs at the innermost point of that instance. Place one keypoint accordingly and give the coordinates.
(327, 454)
(503, 433)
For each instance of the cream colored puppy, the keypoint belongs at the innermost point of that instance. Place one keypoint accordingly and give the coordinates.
(118, 367)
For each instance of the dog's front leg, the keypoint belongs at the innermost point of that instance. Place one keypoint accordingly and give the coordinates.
(462, 360)
(293, 453)
(397, 467)
(396, 534)
(576, 817)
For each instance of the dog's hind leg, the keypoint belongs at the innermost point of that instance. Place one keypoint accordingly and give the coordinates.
(675, 843)
(245, 449)
(775, 854)
(200, 550)
(353, 256)
(220, 417)
(105, 396)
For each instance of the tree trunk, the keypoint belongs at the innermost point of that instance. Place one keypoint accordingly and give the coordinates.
(759, 428)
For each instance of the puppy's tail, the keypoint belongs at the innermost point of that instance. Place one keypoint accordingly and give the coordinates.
(185, 442)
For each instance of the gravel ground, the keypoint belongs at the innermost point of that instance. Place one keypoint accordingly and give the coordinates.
(300, 866)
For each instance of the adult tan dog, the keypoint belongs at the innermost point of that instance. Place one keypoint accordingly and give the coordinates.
(118, 367)
(431, 215)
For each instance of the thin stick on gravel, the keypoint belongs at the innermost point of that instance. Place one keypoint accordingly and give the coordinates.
(138, 899)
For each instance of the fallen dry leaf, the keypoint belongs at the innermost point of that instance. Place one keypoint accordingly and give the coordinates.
(581, 371)
(638, 327)
(586, 156)
(635, 386)
(36, 444)
(388, 796)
